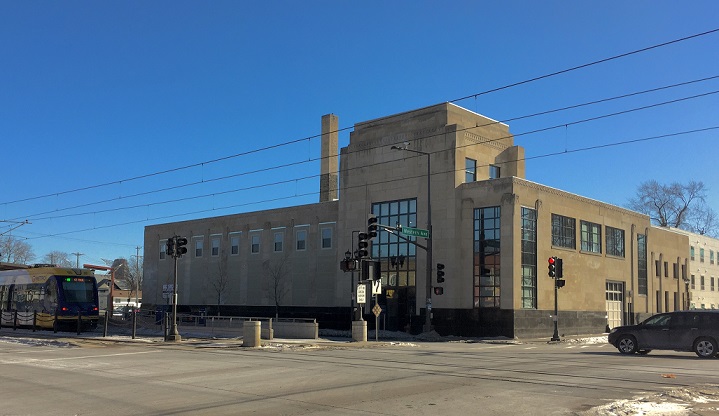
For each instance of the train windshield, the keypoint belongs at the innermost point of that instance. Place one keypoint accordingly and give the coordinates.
(78, 290)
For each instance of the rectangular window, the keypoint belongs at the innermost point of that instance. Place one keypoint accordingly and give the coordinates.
(615, 242)
(691, 252)
(486, 257)
(198, 247)
(255, 243)
(693, 283)
(658, 268)
(326, 237)
(301, 240)
(701, 282)
(398, 257)
(701, 255)
(712, 283)
(234, 244)
(642, 264)
(163, 247)
(564, 231)
(591, 237)
(279, 240)
(529, 258)
(711, 256)
(666, 269)
(215, 245)
(470, 170)
(494, 172)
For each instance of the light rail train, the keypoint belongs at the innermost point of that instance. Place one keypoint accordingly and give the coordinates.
(49, 297)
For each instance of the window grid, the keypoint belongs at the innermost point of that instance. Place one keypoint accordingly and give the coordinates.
(591, 237)
(198, 247)
(163, 247)
(564, 231)
(529, 258)
(615, 241)
(255, 243)
(486, 257)
(387, 245)
(642, 264)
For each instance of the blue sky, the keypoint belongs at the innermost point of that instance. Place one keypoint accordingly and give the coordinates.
(95, 93)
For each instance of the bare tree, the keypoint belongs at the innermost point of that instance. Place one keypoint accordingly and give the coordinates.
(276, 272)
(60, 258)
(14, 250)
(704, 220)
(671, 205)
(221, 279)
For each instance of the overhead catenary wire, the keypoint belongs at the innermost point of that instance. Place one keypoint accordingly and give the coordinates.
(36, 216)
(545, 76)
(345, 188)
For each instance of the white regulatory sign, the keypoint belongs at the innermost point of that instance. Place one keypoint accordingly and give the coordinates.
(361, 293)
(376, 287)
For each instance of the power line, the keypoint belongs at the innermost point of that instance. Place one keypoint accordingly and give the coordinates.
(623, 55)
(381, 163)
(392, 180)
(205, 181)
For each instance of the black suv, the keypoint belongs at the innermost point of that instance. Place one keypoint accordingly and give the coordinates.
(693, 330)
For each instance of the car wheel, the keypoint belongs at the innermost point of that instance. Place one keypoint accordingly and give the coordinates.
(644, 352)
(705, 347)
(627, 344)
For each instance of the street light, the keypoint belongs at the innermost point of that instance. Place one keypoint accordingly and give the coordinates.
(428, 275)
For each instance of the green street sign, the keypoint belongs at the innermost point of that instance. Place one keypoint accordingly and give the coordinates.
(415, 232)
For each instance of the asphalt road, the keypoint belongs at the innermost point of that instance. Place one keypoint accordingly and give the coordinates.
(222, 378)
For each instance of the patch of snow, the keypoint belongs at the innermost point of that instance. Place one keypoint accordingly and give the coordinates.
(35, 342)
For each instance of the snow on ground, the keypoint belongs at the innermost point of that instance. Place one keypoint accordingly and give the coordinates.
(699, 400)
(36, 342)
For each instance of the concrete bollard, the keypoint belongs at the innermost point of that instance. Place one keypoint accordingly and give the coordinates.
(251, 334)
(359, 331)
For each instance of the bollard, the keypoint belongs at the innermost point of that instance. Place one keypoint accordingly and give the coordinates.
(104, 325)
(14, 321)
(55, 323)
(251, 331)
(34, 320)
(134, 323)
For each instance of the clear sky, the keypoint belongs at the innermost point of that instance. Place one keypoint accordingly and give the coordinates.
(95, 93)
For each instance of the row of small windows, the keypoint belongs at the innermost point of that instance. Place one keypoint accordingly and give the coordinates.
(564, 235)
(255, 242)
(701, 255)
(712, 286)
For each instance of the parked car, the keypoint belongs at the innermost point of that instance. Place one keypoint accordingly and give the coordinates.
(693, 330)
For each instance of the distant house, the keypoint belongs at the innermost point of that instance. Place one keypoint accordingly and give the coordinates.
(122, 296)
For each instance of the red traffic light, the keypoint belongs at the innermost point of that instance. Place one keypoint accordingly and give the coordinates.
(551, 260)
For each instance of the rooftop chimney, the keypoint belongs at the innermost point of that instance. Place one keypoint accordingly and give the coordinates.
(328, 164)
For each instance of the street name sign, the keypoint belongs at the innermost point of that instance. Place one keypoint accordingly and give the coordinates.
(415, 232)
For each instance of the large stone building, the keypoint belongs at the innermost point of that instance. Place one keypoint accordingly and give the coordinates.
(492, 229)
(703, 280)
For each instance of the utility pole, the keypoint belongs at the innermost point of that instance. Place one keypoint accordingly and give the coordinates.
(78, 254)
(137, 278)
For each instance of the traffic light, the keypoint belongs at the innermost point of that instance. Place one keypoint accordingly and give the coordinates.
(180, 243)
(440, 273)
(372, 227)
(558, 264)
(170, 246)
(362, 245)
(552, 267)
(438, 290)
